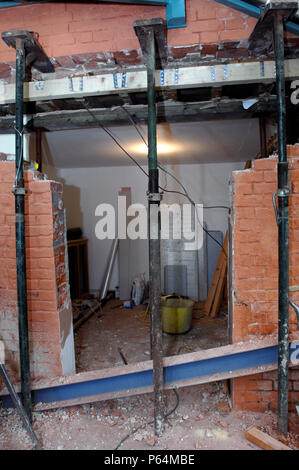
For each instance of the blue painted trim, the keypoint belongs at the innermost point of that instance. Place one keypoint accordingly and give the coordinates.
(172, 374)
(176, 14)
(10, 4)
(292, 27)
(242, 6)
(254, 11)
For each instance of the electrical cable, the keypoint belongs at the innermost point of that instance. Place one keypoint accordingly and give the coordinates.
(149, 422)
(115, 140)
(134, 124)
(185, 194)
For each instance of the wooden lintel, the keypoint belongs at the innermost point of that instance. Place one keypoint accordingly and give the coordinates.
(166, 111)
(136, 80)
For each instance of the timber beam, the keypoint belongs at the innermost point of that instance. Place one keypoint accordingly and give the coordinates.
(211, 365)
(129, 81)
(167, 111)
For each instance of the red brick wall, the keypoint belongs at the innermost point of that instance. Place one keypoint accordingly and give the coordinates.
(255, 272)
(67, 28)
(49, 314)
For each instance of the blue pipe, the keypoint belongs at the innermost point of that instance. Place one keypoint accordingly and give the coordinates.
(254, 11)
(10, 4)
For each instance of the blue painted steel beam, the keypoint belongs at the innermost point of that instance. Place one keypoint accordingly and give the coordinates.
(175, 14)
(254, 11)
(175, 9)
(178, 375)
(10, 4)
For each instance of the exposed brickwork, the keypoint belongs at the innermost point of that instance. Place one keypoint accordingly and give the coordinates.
(89, 39)
(68, 29)
(48, 299)
(255, 273)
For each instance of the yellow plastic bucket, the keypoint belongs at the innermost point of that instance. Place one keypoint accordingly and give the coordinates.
(176, 315)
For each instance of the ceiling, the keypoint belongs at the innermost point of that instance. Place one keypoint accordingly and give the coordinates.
(193, 142)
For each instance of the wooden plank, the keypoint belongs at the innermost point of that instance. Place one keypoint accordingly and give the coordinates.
(220, 289)
(171, 111)
(184, 77)
(213, 289)
(222, 277)
(87, 315)
(2, 353)
(264, 441)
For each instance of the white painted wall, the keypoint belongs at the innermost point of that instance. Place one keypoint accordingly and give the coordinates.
(85, 188)
(8, 145)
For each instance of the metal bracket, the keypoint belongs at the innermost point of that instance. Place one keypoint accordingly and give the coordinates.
(35, 56)
(261, 38)
(141, 28)
(19, 191)
(154, 197)
(283, 192)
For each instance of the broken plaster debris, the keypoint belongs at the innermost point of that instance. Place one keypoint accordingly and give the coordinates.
(197, 423)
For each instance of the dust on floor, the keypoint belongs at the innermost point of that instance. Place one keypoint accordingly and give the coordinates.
(202, 418)
(201, 421)
(115, 328)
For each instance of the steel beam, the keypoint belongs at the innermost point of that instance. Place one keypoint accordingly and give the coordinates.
(190, 369)
(254, 11)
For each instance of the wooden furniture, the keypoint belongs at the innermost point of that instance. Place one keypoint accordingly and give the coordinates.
(78, 267)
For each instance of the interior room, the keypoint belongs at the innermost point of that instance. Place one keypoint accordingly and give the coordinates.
(148, 224)
(200, 155)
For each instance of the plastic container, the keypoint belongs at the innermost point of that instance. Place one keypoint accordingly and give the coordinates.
(138, 289)
(176, 315)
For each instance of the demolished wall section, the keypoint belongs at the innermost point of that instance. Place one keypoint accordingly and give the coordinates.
(255, 274)
(49, 311)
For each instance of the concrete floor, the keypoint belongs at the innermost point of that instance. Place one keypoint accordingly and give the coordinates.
(98, 341)
(201, 416)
